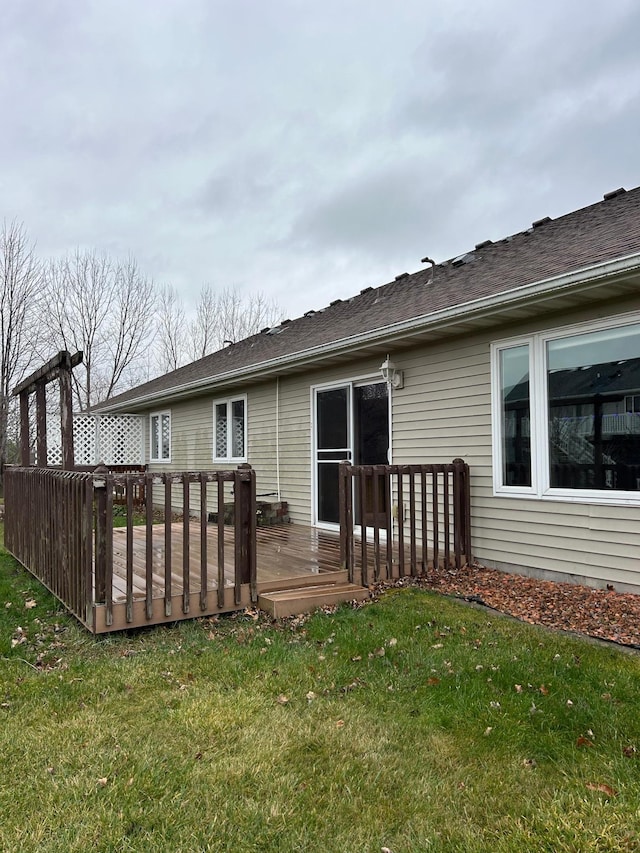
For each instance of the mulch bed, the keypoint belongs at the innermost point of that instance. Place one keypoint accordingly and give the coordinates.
(604, 614)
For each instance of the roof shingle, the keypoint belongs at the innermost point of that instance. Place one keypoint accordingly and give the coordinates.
(602, 232)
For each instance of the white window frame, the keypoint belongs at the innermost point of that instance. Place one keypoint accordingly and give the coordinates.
(228, 457)
(540, 488)
(159, 415)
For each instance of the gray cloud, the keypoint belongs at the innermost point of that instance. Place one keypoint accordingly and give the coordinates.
(309, 149)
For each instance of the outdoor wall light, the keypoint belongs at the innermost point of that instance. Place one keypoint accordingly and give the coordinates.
(391, 375)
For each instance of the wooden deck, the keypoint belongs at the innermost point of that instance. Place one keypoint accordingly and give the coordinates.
(284, 553)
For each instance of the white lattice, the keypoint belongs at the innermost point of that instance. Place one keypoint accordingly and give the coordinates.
(112, 439)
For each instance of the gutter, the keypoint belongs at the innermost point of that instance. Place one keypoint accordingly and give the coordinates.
(482, 305)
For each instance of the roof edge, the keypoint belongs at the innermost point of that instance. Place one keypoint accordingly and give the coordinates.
(584, 275)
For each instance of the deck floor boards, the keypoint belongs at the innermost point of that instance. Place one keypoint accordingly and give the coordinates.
(284, 553)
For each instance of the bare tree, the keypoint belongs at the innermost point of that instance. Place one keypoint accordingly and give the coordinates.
(129, 325)
(228, 317)
(103, 308)
(171, 330)
(20, 285)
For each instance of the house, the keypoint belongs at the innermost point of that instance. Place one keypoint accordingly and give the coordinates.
(521, 356)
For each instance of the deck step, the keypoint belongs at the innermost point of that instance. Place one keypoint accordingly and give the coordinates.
(291, 602)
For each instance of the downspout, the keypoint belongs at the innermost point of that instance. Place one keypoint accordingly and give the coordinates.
(278, 438)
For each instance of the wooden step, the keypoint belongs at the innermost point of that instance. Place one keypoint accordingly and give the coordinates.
(291, 602)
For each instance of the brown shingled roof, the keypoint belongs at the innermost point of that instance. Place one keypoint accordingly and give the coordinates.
(601, 232)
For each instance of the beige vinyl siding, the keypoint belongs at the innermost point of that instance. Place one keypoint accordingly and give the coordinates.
(192, 441)
(444, 412)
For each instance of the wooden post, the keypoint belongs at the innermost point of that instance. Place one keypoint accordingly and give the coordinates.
(100, 490)
(66, 415)
(243, 510)
(25, 453)
(462, 510)
(345, 533)
(41, 425)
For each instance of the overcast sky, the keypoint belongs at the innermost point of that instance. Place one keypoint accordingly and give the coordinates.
(309, 149)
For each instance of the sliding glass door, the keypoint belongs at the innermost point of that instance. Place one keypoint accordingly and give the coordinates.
(351, 423)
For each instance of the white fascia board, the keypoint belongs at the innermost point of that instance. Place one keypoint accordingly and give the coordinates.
(480, 306)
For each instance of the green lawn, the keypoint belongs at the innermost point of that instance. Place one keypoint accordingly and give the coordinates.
(413, 724)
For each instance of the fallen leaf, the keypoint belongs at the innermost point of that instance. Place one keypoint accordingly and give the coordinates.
(583, 741)
(544, 690)
(518, 688)
(311, 696)
(437, 646)
(629, 751)
(494, 705)
(356, 658)
(102, 782)
(339, 724)
(392, 642)
(530, 762)
(606, 697)
(569, 703)
(7, 604)
(30, 603)
(282, 699)
(604, 789)
(432, 681)
(488, 731)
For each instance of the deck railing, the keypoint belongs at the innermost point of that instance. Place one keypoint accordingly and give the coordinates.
(49, 524)
(398, 520)
(60, 526)
(120, 497)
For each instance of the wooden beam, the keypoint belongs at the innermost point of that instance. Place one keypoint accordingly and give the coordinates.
(41, 425)
(25, 450)
(49, 371)
(66, 417)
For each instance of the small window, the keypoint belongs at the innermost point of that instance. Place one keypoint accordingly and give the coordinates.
(230, 430)
(160, 440)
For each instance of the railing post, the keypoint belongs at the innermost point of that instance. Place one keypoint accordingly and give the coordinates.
(462, 501)
(245, 530)
(100, 491)
(346, 528)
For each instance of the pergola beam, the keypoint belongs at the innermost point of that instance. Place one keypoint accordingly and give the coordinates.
(59, 367)
(49, 371)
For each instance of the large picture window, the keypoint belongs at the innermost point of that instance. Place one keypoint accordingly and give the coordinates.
(230, 430)
(566, 414)
(160, 438)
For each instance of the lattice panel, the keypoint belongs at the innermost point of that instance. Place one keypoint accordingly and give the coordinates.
(120, 439)
(112, 439)
(84, 439)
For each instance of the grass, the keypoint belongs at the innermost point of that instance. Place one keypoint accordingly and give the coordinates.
(415, 724)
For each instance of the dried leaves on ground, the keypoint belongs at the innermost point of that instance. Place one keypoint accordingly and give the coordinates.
(602, 613)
